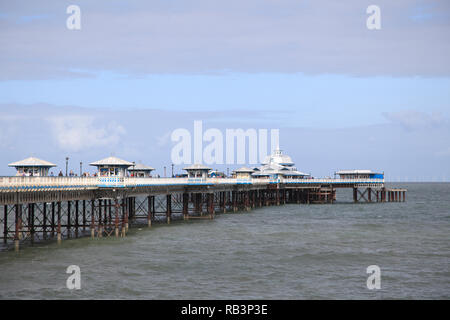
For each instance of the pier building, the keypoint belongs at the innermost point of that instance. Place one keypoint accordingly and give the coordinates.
(111, 167)
(140, 171)
(32, 167)
(243, 173)
(278, 165)
(197, 171)
(359, 174)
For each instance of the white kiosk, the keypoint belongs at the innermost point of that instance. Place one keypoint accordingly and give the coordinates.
(32, 167)
(112, 167)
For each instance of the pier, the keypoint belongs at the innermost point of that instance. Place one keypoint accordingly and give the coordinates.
(44, 208)
(36, 207)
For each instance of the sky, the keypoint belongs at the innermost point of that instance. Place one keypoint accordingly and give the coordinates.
(341, 95)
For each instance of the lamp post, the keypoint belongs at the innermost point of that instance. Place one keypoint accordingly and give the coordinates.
(164, 171)
(172, 169)
(81, 168)
(67, 164)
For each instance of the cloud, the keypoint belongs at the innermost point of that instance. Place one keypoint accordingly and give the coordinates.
(445, 152)
(76, 132)
(411, 119)
(163, 140)
(203, 36)
(7, 132)
(88, 134)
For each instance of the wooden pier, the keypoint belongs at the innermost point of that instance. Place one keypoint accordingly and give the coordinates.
(45, 208)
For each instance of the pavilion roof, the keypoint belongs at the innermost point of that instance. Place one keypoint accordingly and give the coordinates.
(111, 161)
(197, 166)
(140, 167)
(32, 162)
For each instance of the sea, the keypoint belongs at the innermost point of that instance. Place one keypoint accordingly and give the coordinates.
(317, 251)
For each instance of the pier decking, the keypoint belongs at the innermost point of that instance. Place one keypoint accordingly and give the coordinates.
(41, 208)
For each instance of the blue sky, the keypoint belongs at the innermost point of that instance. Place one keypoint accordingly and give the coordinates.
(342, 96)
(315, 101)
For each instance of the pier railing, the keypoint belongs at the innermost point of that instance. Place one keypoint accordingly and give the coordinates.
(335, 181)
(47, 183)
(67, 183)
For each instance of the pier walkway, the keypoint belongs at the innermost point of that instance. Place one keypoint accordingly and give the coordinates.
(20, 184)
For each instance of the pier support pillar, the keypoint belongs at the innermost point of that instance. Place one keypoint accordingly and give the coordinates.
(44, 220)
(210, 203)
(31, 207)
(53, 225)
(253, 193)
(168, 208)
(76, 218)
(116, 218)
(18, 226)
(5, 224)
(234, 200)
(58, 231)
(123, 208)
(84, 216)
(197, 203)
(247, 200)
(224, 202)
(149, 211)
(68, 224)
(100, 221)
(93, 218)
(186, 206)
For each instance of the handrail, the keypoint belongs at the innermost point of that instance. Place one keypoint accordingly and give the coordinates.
(99, 182)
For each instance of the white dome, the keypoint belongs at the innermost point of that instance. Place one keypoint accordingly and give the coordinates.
(278, 158)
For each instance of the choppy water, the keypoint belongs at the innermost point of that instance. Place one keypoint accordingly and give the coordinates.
(286, 252)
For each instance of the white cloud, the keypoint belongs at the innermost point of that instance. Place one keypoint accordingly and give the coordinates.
(7, 133)
(76, 132)
(445, 152)
(163, 140)
(411, 119)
